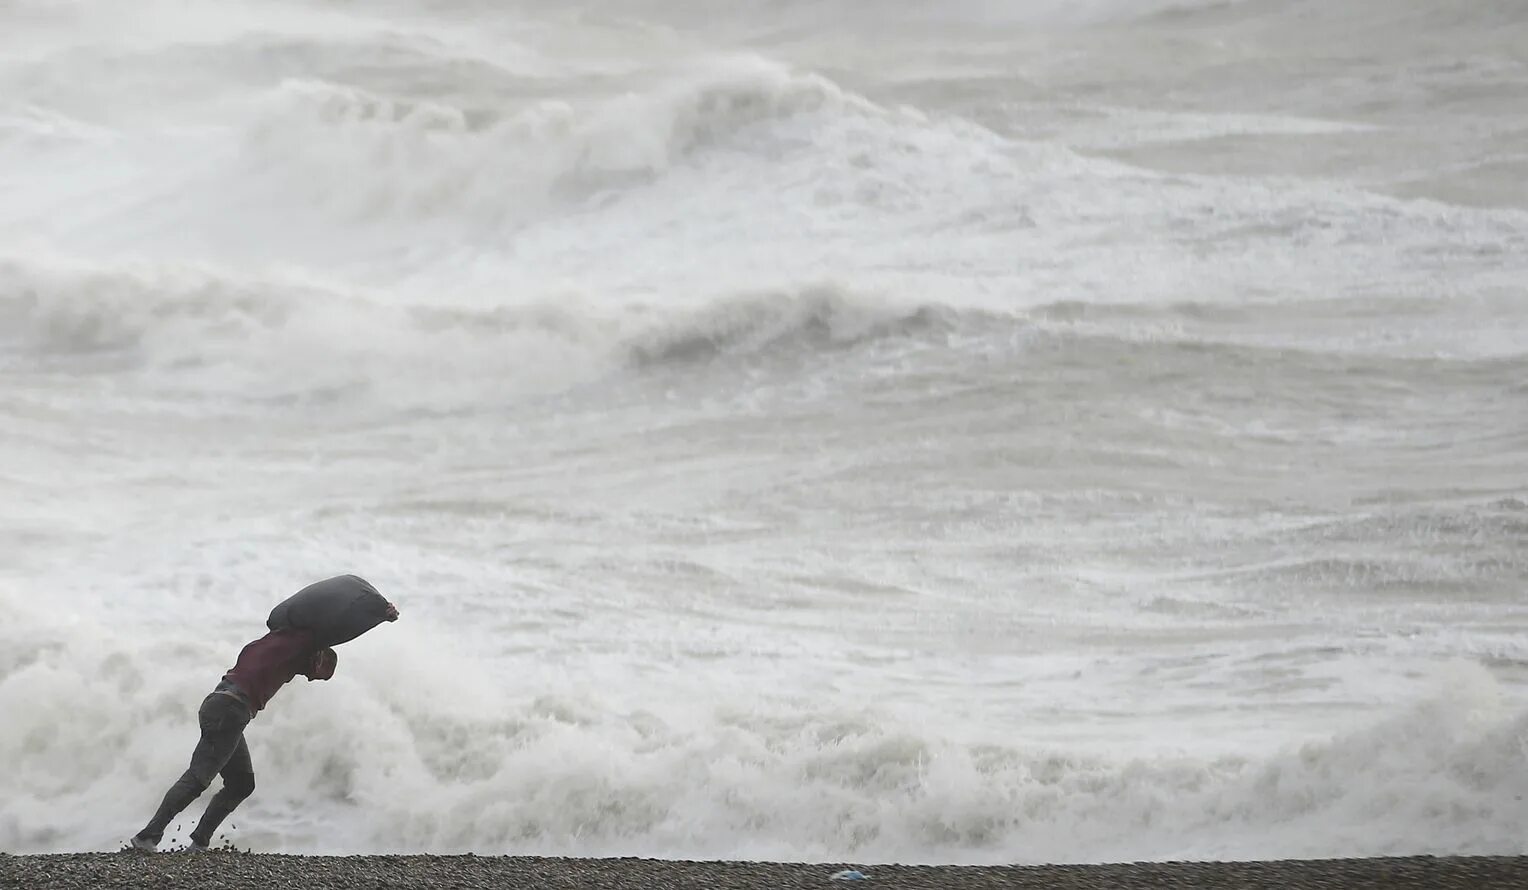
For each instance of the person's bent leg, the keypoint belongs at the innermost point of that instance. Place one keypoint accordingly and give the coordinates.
(186, 789)
(222, 720)
(238, 783)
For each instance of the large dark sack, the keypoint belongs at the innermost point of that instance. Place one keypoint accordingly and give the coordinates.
(335, 610)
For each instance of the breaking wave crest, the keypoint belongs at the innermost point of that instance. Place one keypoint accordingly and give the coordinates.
(372, 155)
(205, 329)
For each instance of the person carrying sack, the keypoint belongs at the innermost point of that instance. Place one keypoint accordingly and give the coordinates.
(303, 631)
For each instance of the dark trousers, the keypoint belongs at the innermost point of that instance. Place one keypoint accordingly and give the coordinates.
(221, 751)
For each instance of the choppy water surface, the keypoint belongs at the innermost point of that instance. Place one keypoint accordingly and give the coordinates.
(839, 430)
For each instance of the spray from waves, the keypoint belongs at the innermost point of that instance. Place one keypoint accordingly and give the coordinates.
(417, 747)
(372, 155)
(201, 331)
(196, 329)
(331, 171)
(383, 186)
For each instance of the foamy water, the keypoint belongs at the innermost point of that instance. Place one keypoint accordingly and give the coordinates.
(844, 431)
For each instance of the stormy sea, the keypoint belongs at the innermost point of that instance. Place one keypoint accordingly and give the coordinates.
(952, 433)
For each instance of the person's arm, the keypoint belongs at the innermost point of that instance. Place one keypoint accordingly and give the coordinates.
(322, 666)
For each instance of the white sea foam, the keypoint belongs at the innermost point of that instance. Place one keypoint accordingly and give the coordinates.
(1056, 432)
(421, 748)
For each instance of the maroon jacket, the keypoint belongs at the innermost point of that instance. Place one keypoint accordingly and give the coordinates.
(271, 662)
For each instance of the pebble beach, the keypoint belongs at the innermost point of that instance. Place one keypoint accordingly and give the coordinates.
(237, 871)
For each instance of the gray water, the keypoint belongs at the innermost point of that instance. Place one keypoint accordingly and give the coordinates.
(845, 431)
